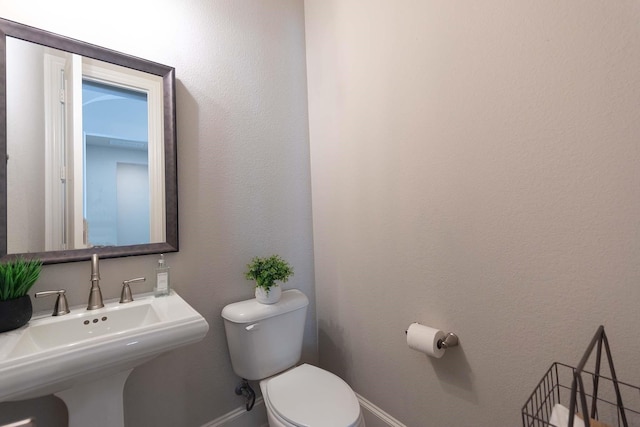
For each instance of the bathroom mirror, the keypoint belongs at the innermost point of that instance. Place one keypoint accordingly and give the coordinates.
(89, 144)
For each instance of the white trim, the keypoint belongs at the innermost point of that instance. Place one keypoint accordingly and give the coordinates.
(29, 422)
(240, 417)
(381, 415)
(77, 156)
(55, 145)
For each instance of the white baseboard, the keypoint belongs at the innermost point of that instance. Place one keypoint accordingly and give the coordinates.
(376, 417)
(240, 417)
(257, 417)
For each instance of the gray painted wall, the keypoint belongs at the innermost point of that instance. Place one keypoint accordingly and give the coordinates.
(243, 173)
(474, 168)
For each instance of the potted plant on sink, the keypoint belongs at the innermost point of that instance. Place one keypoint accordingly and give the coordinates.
(265, 272)
(16, 278)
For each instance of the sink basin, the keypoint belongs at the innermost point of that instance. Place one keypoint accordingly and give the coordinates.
(59, 354)
(66, 331)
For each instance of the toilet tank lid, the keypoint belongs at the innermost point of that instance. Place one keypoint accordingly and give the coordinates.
(252, 311)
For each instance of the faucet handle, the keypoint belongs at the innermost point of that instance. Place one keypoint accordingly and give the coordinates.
(61, 306)
(126, 296)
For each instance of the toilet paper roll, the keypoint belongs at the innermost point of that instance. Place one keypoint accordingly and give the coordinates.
(425, 339)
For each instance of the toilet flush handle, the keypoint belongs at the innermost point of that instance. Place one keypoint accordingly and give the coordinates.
(252, 327)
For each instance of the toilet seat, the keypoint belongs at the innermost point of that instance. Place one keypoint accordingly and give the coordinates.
(310, 396)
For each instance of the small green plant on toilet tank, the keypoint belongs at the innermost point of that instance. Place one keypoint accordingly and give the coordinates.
(267, 271)
(16, 279)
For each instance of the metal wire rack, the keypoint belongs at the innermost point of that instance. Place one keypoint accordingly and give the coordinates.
(605, 401)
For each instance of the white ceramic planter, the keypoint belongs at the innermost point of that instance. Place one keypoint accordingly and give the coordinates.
(270, 297)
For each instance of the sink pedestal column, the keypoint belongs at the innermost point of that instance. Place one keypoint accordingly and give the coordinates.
(97, 403)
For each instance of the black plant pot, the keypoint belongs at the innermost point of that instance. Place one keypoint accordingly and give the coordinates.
(15, 313)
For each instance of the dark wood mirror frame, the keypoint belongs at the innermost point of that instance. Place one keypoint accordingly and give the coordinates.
(45, 38)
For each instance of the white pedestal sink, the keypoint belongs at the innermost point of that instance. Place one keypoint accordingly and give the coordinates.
(85, 357)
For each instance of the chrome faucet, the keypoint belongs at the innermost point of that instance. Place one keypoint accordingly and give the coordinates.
(95, 295)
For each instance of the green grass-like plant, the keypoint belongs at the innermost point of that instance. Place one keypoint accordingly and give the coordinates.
(266, 271)
(17, 277)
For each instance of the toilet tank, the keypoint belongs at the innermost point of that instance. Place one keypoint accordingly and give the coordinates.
(265, 339)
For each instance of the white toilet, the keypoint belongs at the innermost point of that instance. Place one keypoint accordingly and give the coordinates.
(265, 343)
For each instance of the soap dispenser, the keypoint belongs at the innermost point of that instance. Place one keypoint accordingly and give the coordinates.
(163, 285)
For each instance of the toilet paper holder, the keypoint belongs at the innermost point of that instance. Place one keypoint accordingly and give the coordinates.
(450, 340)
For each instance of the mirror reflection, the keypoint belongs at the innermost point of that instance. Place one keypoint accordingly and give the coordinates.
(93, 128)
(116, 167)
(90, 141)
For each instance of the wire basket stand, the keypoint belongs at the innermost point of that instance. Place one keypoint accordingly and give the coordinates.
(590, 395)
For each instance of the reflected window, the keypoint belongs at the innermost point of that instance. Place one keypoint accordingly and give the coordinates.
(116, 188)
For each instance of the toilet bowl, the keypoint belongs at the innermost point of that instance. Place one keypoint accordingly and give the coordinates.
(309, 396)
(265, 344)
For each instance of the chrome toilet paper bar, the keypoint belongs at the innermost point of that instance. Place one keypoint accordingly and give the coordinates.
(450, 340)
